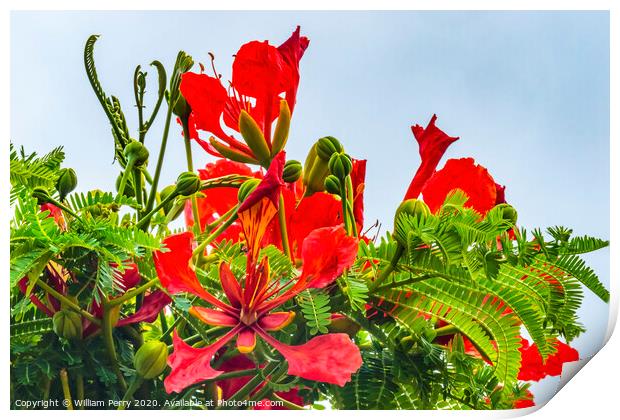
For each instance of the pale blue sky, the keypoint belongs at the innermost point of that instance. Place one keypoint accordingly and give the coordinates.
(527, 92)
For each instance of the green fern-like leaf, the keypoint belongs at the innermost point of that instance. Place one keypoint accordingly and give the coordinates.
(316, 310)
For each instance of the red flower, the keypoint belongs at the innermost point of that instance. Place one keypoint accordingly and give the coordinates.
(534, 369)
(464, 174)
(525, 402)
(218, 201)
(433, 143)
(329, 358)
(260, 74)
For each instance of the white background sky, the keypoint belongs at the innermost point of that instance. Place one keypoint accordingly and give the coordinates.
(527, 92)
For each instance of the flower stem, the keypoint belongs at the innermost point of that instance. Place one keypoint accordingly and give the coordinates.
(389, 269)
(66, 390)
(160, 161)
(79, 385)
(190, 167)
(133, 387)
(121, 186)
(255, 381)
(147, 218)
(67, 302)
(132, 293)
(214, 235)
(287, 403)
(350, 203)
(109, 344)
(283, 229)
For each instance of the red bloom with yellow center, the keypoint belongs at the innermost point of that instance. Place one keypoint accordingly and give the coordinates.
(262, 76)
(249, 310)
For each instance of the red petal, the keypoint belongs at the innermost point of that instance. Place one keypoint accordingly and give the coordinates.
(230, 285)
(326, 253)
(432, 145)
(330, 358)
(525, 402)
(276, 320)
(292, 50)
(23, 287)
(258, 70)
(129, 278)
(192, 365)
(230, 386)
(358, 179)
(463, 174)
(246, 341)
(207, 98)
(175, 273)
(532, 366)
(270, 186)
(213, 317)
(152, 304)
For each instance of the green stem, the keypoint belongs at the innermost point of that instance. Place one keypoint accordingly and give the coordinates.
(446, 330)
(220, 219)
(147, 218)
(287, 403)
(47, 385)
(132, 293)
(133, 387)
(395, 284)
(67, 302)
(283, 230)
(350, 203)
(109, 344)
(160, 161)
(137, 184)
(190, 168)
(66, 390)
(164, 324)
(79, 389)
(64, 208)
(389, 269)
(121, 185)
(214, 235)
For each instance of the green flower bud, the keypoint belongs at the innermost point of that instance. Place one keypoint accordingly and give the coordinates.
(129, 190)
(246, 189)
(150, 359)
(136, 151)
(411, 207)
(332, 185)
(280, 134)
(66, 182)
(292, 171)
(181, 108)
(67, 324)
(187, 184)
(327, 146)
(340, 165)
(254, 138)
(508, 213)
(172, 204)
(41, 195)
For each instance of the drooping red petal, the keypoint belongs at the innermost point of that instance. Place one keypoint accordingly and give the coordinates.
(246, 340)
(23, 287)
(213, 317)
(326, 253)
(192, 365)
(291, 51)
(56, 213)
(465, 175)
(532, 366)
(175, 273)
(276, 320)
(358, 180)
(152, 304)
(432, 144)
(270, 185)
(330, 358)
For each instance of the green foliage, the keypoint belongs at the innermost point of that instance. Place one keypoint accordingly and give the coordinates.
(315, 307)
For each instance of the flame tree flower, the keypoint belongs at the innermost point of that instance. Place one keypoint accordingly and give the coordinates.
(249, 312)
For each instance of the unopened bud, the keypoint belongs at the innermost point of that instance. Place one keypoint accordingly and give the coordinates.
(508, 213)
(66, 182)
(187, 184)
(292, 171)
(327, 146)
(340, 165)
(150, 359)
(246, 189)
(332, 185)
(137, 152)
(181, 108)
(170, 205)
(41, 195)
(67, 324)
(412, 207)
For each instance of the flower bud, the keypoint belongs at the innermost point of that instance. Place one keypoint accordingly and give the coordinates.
(41, 195)
(170, 205)
(340, 165)
(66, 182)
(129, 191)
(332, 185)
(137, 152)
(150, 359)
(292, 171)
(411, 207)
(181, 108)
(67, 324)
(342, 324)
(508, 213)
(327, 146)
(254, 138)
(246, 189)
(187, 184)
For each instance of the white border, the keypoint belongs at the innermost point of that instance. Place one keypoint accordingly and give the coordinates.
(592, 394)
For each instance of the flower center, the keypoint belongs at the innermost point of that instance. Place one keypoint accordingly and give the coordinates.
(248, 317)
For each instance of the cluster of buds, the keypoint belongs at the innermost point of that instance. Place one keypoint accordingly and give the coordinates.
(317, 168)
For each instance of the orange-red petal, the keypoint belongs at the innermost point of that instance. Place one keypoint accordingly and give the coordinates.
(246, 341)
(213, 317)
(276, 320)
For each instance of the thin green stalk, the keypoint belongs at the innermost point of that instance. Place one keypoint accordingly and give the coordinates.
(286, 403)
(160, 161)
(389, 269)
(47, 385)
(214, 235)
(283, 230)
(132, 293)
(147, 218)
(164, 324)
(190, 168)
(406, 282)
(133, 387)
(121, 185)
(66, 390)
(220, 219)
(67, 302)
(137, 184)
(446, 330)
(79, 389)
(350, 203)
(109, 344)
